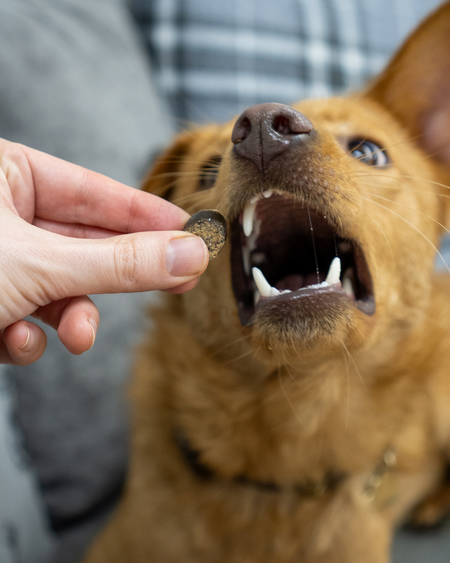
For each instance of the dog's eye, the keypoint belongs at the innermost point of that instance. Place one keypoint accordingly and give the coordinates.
(208, 173)
(368, 152)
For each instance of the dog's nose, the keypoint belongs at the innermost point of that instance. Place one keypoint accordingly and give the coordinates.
(266, 130)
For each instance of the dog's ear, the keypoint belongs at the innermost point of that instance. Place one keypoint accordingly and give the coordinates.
(161, 179)
(415, 87)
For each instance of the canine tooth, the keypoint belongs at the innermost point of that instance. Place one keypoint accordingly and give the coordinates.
(249, 214)
(334, 272)
(348, 287)
(267, 193)
(274, 291)
(347, 284)
(261, 283)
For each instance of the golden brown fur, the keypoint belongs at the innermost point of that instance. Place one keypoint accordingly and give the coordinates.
(274, 407)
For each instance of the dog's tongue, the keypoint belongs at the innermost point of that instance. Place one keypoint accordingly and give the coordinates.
(296, 281)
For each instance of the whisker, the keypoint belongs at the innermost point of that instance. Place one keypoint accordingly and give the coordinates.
(350, 357)
(413, 227)
(378, 186)
(288, 399)
(233, 343)
(347, 365)
(377, 224)
(361, 174)
(411, 209)
(183, 174)
(237, 358)
(426, 180)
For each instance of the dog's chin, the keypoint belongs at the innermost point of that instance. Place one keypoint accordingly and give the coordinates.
(315, 316)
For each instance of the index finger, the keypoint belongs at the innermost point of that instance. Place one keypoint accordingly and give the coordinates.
(68, 193)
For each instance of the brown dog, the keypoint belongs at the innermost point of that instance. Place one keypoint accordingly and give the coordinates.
(295, 406)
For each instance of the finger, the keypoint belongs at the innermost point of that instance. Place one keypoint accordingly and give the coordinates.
(23, 343)
(128, 263)
(78, 325)
(71, 194)
(75, 318)
(74, 229)
(16, 180)
(184, 287)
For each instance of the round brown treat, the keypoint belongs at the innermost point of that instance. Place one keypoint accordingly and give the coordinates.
(211, 226)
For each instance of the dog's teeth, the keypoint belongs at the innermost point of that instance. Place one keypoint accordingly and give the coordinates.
(334, 272)
(347, 284)
(249, 215)
(256, 296)
(249, 212)
(261, 283)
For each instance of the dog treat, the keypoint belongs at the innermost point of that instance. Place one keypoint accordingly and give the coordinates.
(211, 226)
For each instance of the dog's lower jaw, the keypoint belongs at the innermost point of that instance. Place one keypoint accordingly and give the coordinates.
(280, 325)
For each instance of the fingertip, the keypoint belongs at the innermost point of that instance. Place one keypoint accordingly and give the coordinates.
(186, 256)
(183, 288)
(25, 342)
(78, 327)
(94, 327)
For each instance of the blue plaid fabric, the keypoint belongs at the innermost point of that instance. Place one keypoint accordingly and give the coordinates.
(215, 58)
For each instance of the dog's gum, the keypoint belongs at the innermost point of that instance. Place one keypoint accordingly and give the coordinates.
(211, 226)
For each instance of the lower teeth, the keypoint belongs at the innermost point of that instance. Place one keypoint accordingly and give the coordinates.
(347, 283)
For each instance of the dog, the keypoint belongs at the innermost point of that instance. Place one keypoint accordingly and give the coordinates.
(295, 406)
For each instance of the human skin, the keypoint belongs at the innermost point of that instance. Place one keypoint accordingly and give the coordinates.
(66, 232)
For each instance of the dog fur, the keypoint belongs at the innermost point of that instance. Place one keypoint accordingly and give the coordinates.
(267, 412)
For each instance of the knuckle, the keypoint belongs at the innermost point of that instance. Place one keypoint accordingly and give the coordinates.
(127, 262)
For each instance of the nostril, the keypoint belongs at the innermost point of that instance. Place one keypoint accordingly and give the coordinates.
(291, 122)
(241, 130)
(282, 126)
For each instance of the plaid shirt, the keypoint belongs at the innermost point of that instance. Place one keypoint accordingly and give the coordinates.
(214, 58)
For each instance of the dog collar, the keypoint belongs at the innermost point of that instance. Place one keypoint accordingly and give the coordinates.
(382, 486)
(308, 488)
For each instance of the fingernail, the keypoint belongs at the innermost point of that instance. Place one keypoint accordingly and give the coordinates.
(30, 341)
(94, 330)
(186, 256)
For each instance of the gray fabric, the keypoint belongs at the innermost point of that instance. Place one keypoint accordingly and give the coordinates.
(75, 83)
(75, 420)
(429, 546)
(24, 532)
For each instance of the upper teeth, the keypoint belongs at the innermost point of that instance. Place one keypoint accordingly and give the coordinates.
(249, 212)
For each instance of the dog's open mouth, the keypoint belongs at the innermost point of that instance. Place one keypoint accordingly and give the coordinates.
(282, 250)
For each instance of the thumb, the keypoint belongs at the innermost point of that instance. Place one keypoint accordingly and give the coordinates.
(128, 263)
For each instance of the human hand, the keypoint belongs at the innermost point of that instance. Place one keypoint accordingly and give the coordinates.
(66, 232)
